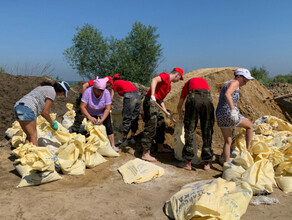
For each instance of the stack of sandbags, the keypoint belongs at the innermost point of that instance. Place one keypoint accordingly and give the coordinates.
(268, 159)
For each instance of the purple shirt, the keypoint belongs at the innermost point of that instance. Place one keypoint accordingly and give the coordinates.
(96, 106)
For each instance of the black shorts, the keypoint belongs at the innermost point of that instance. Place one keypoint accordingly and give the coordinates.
(107, 123)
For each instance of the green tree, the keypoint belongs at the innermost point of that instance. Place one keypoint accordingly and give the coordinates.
(143, 53)
(89, 53)
(136, 56)
(260, 74)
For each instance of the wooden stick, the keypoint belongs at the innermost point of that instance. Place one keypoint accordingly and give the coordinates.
(160, 107)
(278, 97)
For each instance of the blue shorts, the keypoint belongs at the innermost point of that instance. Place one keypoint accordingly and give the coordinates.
(24, 113)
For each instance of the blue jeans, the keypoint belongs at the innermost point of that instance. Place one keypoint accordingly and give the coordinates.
(24, 113)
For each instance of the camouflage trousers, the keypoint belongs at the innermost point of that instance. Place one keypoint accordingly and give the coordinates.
(131, 111)
(79, 115)
(154, 125)
(198, 105)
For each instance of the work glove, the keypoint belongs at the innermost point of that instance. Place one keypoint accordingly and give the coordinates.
(234, 116)
(55, 125)
(152, 98)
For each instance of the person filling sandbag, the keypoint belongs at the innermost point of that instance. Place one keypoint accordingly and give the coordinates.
(131, 107)
(96, 105)
(38, 102)
(79, 115)
(153, 118)
(199, 105)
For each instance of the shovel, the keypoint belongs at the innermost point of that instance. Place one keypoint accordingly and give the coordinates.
(278, 97)
(169, 115)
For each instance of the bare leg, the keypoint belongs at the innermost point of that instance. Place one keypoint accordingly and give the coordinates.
(245, 123)
(186, 165)
(29, 128)
(112, 142)
(227, 135)
(146, 156)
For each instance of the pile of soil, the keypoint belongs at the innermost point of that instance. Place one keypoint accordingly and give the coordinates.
(101, 192)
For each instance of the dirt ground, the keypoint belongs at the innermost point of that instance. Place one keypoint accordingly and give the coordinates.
(101, 192)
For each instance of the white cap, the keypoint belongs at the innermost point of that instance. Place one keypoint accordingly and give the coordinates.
(243, 72)
(65, 86)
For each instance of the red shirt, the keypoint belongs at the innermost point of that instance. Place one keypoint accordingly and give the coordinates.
(122, 86)
(193, 84)
(162, 88)
(91, 82)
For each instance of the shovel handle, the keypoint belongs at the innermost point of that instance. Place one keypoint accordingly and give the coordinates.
(160, 107)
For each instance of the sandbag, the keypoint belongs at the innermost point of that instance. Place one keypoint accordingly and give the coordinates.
(10, 132)
(206, 199)
(99, 138)
(243, 159)
(92, 157)
(139, 171)
(70, 158)
(34, 177)
(179, 143)
(285, 183)
(69, 116)
(260, 176)
(232, 172)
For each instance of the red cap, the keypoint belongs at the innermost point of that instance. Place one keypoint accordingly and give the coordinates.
(117, 75)
(180, 71)
(110, 79)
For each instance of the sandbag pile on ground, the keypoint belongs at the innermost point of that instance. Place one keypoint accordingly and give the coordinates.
(210, 199)
(68, 152)
(140, 171)
(268, 161)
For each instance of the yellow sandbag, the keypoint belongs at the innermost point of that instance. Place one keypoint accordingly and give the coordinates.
(70, 160)
(285, 183)
(92, 157)
(278, 124)
(239, 144)
(264, 129)
(99, 138)
(139, 171)
(179, 143)
(284, 168)
(33, 177)
(260, 176)
(62, 136)
(69, 116)
(10, 132)
(38, 158)
(243, 159)
(207, 199)
(46, 138)
(232, 172)
(17, 140)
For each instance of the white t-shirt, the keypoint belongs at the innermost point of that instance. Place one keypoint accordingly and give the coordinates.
(36, 99)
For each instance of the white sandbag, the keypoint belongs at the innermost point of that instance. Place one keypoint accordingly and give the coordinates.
(139, 171)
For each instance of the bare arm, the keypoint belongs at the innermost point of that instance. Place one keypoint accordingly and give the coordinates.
(84, 87)
(112, 94)
(233, 85)
(179, 108)
(105, 114)
(163, 106)
(154, 83)
(46, 111)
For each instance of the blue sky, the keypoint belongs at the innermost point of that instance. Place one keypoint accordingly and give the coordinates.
(194, 33)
